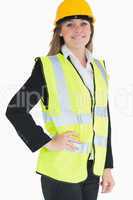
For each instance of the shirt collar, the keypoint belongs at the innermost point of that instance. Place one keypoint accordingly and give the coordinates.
(67, 52)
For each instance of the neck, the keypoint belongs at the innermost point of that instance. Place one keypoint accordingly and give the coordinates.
(80, 54)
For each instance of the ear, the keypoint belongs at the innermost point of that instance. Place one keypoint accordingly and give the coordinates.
(61, 35)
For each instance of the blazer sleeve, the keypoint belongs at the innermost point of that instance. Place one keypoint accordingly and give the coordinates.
(109, 155)
(18, 109)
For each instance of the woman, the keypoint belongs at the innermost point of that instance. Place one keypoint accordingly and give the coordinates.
(72, 88)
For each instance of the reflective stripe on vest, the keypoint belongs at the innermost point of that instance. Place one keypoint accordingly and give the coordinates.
(101, 111)
(82, 118)
(64, 120)
(98, 140)
(61, 86)
(102, 70)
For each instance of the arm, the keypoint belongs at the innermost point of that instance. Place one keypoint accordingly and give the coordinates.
(109, 156)
(107, 181)
(20, 105)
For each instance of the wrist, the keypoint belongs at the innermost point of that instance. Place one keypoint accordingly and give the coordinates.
(48, 144)
(107, 169)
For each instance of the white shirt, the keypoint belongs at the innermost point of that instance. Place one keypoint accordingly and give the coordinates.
(85, 72)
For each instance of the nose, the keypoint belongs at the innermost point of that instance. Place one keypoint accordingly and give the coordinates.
(77, 29)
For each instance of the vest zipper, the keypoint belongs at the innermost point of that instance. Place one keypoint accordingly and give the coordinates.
(93, 117)
(92, 107)
(84, 84)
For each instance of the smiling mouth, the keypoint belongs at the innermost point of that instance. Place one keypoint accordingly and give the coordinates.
(75, 37)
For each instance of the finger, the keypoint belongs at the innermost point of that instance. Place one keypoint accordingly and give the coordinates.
(72, 133)
(109, 188)
(75, 141)
(70, 147)
(73, 136)
(104, 187)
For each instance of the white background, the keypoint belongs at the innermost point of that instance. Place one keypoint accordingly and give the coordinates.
(25, 32)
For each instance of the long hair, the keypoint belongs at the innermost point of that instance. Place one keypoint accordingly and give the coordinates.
(57, 41)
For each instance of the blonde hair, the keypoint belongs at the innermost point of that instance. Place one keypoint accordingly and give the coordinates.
(57, 41)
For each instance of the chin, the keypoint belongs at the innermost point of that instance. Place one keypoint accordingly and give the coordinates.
(79, 45)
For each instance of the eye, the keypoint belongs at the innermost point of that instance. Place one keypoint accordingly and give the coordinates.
(84, 23)
(69, 24)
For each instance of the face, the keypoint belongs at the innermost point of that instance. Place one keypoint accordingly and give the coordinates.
(76, 32)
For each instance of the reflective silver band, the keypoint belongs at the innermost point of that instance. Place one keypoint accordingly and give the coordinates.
(101, 70)
(101, 111)
(61, 84)
(100, 141)
(68, 119)
(80, 147)
(84, 147)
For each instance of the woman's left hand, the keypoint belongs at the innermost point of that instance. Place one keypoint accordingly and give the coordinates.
(107, 182)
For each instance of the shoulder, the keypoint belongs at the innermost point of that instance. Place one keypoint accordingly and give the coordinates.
(46, 60)
(37, 64)
(40, 62)
(102, 63)
(37, 68)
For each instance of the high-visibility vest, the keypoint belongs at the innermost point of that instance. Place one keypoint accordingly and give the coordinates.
(71, 106)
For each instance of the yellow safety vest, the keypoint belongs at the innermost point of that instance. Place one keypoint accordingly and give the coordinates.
(72, 107)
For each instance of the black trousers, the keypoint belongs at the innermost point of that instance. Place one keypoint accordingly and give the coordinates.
(58, 190)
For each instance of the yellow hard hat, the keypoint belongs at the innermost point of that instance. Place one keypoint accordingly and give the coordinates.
(73, 8)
